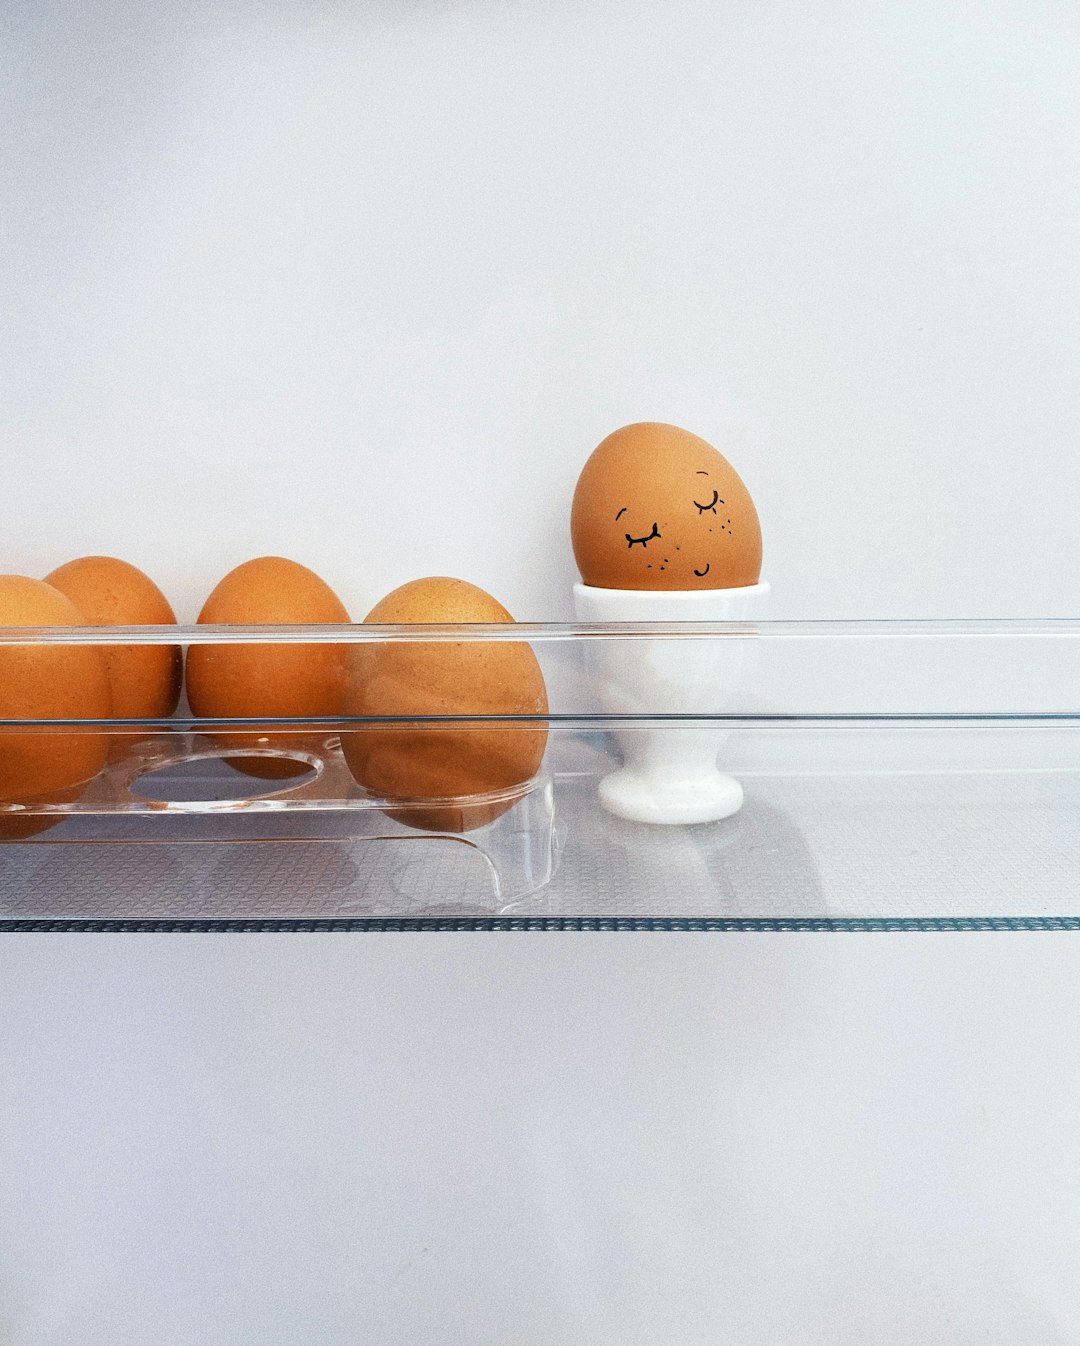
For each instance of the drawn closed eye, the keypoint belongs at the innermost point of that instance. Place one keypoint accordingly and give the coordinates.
(644, 541)
(711, 505)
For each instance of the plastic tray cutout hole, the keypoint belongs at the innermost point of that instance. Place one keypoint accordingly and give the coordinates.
(210, 777)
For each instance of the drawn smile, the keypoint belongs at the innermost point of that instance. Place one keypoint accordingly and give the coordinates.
(702, 573)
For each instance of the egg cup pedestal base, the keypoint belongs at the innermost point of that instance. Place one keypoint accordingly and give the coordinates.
(639, 798)
(670, 774)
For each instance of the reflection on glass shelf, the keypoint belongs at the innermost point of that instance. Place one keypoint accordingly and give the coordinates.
(825, 846)
(874, 773)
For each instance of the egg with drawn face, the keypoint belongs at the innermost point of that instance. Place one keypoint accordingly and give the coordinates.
(656, 507)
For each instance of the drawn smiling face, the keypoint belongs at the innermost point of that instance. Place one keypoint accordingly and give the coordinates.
(658, 508)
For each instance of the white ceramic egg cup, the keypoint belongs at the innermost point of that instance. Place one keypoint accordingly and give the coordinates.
(669, 773)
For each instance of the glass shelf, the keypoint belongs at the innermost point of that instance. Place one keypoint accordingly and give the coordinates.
(875, 776)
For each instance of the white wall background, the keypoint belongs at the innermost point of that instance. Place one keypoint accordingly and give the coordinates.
(364, 284)
(820, 1141)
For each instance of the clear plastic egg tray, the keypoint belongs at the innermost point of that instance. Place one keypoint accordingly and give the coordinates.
(891, 776)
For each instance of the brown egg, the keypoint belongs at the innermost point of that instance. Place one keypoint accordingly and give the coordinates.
(658, 508)
(144, 679)
(47, 682)
(269, 680)
(19, 826)
(418, 763)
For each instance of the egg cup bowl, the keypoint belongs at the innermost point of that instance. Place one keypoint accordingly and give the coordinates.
(669, 774)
